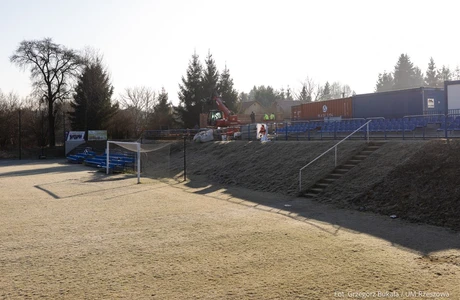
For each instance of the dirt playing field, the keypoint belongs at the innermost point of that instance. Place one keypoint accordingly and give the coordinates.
(69, 232)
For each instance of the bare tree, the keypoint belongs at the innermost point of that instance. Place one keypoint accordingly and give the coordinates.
(52, 67)
(307, 90)
(336, 90)
(347, 91)
(318, 92)
(340, 91)
(9, 105)
(456, 75)
(140, 102)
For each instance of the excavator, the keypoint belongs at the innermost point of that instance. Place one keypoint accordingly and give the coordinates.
(222, 117)
(222, 120)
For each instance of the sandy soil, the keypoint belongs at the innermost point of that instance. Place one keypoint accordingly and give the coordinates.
(67, 232)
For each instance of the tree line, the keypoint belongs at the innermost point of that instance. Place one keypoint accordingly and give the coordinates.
(74, 88)
(198, 87)
(406, 75)
(72, 91)
(310, 91)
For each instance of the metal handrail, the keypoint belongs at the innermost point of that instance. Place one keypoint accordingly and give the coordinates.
(335, 146)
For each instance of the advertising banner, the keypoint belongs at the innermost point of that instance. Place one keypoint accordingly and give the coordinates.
(75, 136)
(97, 135)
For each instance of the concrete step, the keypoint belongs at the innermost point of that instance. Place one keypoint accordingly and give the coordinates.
(336, 175)
(354, 161)
(321, 185)
(341, 170)
(366, 152)
(358, 159)
(309, 195)
(328, 180)
(377, 143)
(347, 166)
(372, 148)
(315, 190)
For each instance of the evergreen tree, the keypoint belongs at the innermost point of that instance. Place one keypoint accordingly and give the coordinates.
(226, 91)
(162, 116)
(209, 83)
(243, 97)
(92, 103)
(444, 74)
(191, 94)
(326, 92)
(431, 76)
(385, 82)
(308, 89)
(303, 95)
(281, 94)
(406, 75)
(252, 94)
(417, 78)
(266, 96)
(289, 94)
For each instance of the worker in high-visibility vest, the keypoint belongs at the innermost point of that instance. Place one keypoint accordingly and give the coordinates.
(272, 117)
(266, 118)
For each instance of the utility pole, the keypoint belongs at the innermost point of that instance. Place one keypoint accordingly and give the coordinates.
(19, 134)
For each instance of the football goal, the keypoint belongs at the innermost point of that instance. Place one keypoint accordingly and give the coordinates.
(150, 160)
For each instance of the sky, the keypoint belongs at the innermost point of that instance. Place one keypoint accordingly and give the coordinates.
(278, 43)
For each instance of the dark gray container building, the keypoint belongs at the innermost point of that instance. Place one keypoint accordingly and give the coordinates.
(397, 104)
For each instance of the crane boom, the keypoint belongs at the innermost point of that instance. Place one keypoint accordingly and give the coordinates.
(222, 107)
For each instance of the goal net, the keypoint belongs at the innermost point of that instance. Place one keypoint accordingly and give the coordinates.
(149, 160)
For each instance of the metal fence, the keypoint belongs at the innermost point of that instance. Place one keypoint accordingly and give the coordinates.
(408, 127)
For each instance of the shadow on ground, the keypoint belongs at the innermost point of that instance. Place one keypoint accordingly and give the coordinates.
(420, 238)
(59, 166)
(265, 176)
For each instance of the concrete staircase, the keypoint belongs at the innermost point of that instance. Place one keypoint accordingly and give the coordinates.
(341, 170)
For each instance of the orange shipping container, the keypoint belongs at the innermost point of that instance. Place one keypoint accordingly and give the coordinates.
(329, 108)
(296, 112)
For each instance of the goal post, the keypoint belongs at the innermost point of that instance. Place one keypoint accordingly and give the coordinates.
(128, 146)
(150, 159)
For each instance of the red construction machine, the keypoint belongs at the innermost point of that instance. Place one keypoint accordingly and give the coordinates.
(223, 119)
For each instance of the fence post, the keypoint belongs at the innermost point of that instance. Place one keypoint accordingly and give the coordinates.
(138, 163)
(185, 158)
(403, 129)
(445, 125)
(19, 134)
(367, 133)
(335, 131)
(336, 155)
(300, 180)
(276, 131)
(286, 130)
